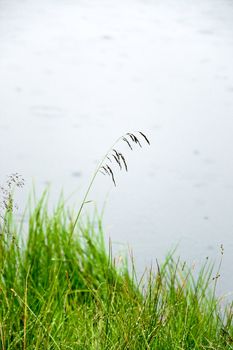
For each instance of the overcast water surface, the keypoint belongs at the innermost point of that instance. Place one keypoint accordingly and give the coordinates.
(77, 74)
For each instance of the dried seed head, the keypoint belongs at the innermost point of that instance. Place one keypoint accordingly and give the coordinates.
(222, 249)
(134, 139)
(128, 143)
(137, 141)
(116, 153)
(118, 157)
(15, 180)
(7, 204)
(143, 135)
(216, 277)
(117, 161)
(105, 170)
(124, 161)
(131, 136)
(112, 175)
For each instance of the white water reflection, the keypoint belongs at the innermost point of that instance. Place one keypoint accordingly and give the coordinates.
(74, 75)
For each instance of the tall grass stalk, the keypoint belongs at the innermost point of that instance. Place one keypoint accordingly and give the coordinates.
(103, 166)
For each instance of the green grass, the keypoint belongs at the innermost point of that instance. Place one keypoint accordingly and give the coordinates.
(62, 289)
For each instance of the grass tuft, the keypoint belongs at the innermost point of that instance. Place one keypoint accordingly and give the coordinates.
(60, 289)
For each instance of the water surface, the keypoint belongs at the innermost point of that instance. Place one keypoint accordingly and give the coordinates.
(74, 75)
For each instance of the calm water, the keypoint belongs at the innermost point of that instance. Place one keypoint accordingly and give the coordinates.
(74, 75)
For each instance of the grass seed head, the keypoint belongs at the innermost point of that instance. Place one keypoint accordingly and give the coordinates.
(118, 157)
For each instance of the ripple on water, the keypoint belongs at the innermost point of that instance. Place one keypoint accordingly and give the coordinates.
(76, 174)
(45, 111)
(206, 31)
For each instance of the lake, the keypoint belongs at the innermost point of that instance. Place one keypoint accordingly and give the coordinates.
(75, 75)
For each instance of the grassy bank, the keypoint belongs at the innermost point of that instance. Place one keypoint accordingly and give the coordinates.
(63, 290)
